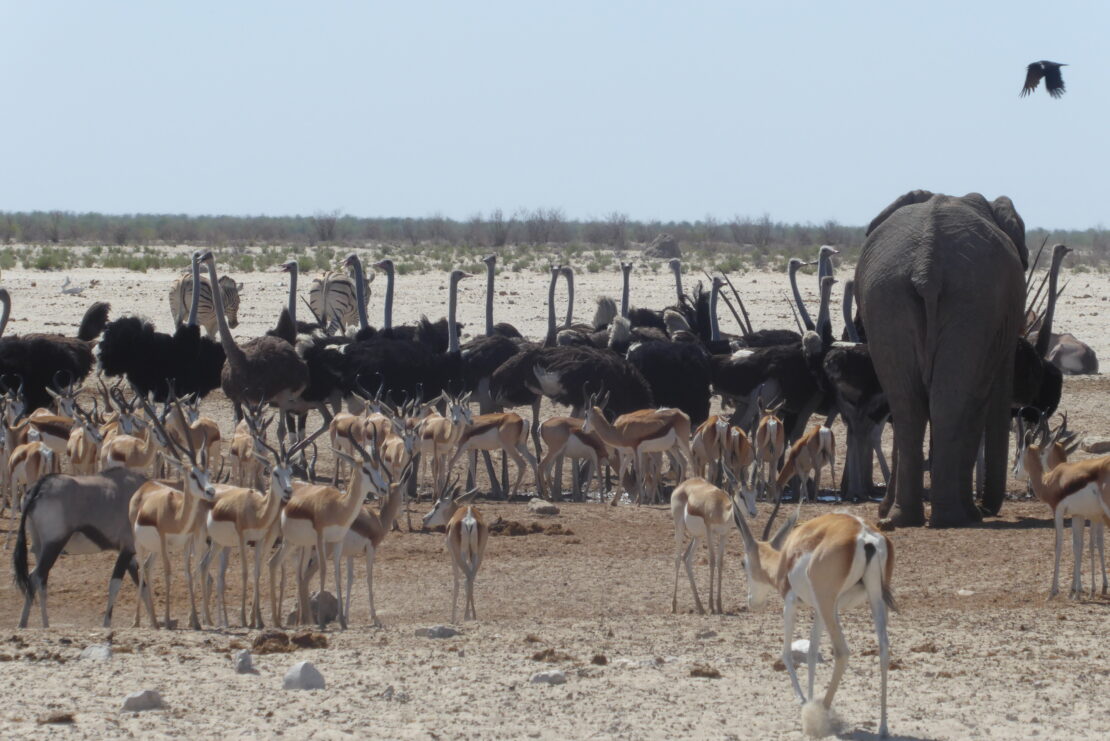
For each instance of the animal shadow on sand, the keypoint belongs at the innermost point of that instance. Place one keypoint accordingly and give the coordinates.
(861, 735)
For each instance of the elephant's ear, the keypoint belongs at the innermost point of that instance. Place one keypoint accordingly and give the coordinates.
(914, 196)
(1006, 216)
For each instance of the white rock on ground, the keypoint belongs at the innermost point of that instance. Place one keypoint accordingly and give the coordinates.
(303, 676)
(97, 652)
(540, 507)
(243, 662)
(437, 631)
(145, 700)
(799, 650)
(555, 676)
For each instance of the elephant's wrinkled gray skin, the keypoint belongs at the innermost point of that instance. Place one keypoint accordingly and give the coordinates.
(941, 289)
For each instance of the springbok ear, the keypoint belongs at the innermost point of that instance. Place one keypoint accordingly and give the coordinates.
(1008, 219)
(909, 199)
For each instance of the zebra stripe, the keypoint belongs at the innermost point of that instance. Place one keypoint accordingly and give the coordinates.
(334, 300)
(181, 297)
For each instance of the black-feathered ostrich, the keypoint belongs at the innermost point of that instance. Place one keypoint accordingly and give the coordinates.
(404, 369)
(152, 361)
(265, 369)
(38, 359)
(434, 335)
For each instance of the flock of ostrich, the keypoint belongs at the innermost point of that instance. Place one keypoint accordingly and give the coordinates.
(152, 478)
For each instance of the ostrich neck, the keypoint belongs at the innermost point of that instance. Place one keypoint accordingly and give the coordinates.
(489, 298)
(849, 322)
(714, 327)
(293, 294)
(626, 290)
(549, 340)
(360, 293)
(570, 301)
(1044, 336)
(678, 283)
(452, 328)
(194, 304)
(806, 319)
(6, 300)
(387, 320)
(824, 322)
(230, 348)
(824, 267)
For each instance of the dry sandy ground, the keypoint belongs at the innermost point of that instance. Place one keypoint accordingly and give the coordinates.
(979, 651)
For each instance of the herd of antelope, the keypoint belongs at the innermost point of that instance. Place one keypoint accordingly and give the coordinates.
(178, 504)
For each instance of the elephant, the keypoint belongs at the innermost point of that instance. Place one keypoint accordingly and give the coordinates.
(940, 288)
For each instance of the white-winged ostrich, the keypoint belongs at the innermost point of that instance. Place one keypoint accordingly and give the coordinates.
(265, 369)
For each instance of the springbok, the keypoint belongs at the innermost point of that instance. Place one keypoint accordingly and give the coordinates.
(807, 456)
(703, 511)
(769, 444)
(506, 431)
(439, 436)
(831, 562)
(28, 463)
(467, 534)
(707, 447)
(636, 435)
(1079, 490)
(318, 516)
(563, 436)
(165, 519)
(83, 448)
(243, 516)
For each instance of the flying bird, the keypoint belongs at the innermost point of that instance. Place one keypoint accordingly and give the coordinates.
(1048, 70)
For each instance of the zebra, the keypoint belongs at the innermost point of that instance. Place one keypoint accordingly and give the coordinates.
(333, 299)
(181, 295)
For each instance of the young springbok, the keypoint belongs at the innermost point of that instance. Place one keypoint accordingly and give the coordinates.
(703, 511)
(707, 447)
(467, 534)
(1079, 490)
(832, 562)
(810, 453)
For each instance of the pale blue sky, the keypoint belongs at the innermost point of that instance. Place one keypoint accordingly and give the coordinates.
(806, 111)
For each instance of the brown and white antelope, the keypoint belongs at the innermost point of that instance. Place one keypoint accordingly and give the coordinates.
(439, 437)
(769, 445)
(506, 431)
(28, 463)
(165, 518)
(467, 535)
(809, 454)
(1080, 490)
(704, 512)
(83, 447)
(832, 562)
(201, 431)
(707, 447)
(244, 516)
(564, 436)
(318, 516)
(638, 434)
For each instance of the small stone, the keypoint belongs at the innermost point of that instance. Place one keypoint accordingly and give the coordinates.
(541, 507)
(1096, 445)
(799, 651)
(437, 631)
(599, 660)
(97, 652)
(303, 676)
(555, 676)
(326, 603)
(705, 671)
(137, 702)
(703, 635)
(243, 662)
(964, 592)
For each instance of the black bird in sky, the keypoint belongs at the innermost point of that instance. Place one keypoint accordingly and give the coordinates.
(1048, 70)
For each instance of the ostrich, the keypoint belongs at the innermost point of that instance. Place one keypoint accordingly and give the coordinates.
(264, 369)
(37, 359)
(434, 335)
(403, 368)
(151, 361)
(503, 329)
(791, 373)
